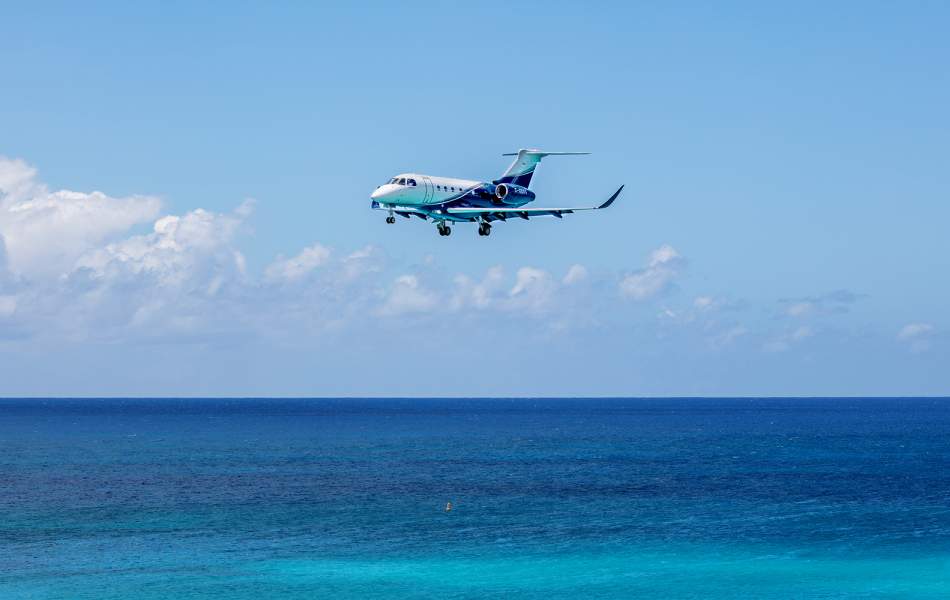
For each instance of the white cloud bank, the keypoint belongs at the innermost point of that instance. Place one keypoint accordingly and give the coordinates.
(72, 267)
(76, 266)
(297, 267)
(44, 233)
(663, 266)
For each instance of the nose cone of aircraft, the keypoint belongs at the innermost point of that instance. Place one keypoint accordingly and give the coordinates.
(384, 191)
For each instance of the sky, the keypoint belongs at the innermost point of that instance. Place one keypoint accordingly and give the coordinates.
(184, 199)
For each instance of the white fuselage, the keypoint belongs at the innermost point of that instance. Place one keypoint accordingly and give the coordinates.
(415, 189)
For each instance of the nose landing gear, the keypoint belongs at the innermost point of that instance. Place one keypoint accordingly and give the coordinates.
(390, 219)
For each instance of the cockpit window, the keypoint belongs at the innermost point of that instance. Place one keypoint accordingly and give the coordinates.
(402, 181)
(393, 180)
(411, 182)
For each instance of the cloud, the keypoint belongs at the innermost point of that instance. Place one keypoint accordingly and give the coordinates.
(657, 277)
(407, 296)
(706, 305)
(915, 331)
(184, 278)
(728, 337)
(368, 260)
(836, 302)
(7, 306)
(479, 295)
(800, 309)
(788, 339)
(122, 272)
(296, 267)
(44, 232)
(534, 290)
(917, 335)
(74, 266)
(192, 247)
(575, 274)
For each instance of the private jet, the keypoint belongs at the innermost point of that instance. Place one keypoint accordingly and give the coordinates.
(444, 200)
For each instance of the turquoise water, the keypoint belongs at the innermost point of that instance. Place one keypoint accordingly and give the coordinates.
(691, 498)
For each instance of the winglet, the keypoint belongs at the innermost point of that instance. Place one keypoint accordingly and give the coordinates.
(611, 199)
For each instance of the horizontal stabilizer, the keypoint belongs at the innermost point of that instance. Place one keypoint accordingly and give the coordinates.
(522, 168)
(543, 154)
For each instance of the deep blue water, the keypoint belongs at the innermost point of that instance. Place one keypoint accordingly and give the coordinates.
(585, 498)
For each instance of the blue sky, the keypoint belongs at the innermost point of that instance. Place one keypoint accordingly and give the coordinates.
(782, 232)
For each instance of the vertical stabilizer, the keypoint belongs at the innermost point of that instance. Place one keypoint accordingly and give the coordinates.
(521, 170)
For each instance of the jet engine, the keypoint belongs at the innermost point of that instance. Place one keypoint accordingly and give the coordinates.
(509, 193)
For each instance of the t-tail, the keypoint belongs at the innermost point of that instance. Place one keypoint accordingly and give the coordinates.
(521, 170)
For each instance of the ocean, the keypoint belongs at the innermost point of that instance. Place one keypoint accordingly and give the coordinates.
(550, 498)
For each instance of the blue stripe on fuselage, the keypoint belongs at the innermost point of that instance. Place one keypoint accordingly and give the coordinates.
(469, 199)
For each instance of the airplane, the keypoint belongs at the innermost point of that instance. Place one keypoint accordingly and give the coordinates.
(446, 200)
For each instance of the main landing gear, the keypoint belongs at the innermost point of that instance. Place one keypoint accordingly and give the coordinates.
(484, 229)
(444, 229)
(390, 219)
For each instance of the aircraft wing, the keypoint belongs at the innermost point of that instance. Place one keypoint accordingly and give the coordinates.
(492, 213)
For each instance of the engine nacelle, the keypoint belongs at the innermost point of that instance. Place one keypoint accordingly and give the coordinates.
(509, 193)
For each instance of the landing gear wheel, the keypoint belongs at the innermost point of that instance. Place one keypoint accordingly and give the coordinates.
(390, 220)
(444, 230)
(484, 229)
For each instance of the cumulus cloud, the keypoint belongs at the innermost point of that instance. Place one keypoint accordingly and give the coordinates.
(297, 267)
(575, 274)
(179, 248)
(182, 278)
(662, 268)
(534, 289)
(75, 265)
(407, 295)
(481, 294)
(368, 260)
(44, 232)
(79, 266)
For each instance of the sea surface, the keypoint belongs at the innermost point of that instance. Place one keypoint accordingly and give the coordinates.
(551, 498)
